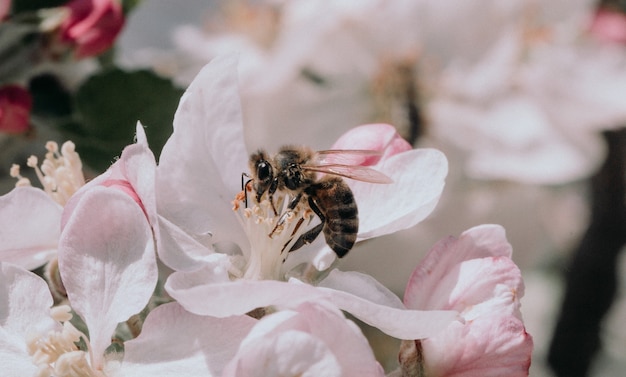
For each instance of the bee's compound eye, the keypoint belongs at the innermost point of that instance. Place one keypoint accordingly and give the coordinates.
(264, 171)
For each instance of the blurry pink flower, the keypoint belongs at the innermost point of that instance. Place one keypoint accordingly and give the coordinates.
(92, 25)
(474, 275)
(5, 7)
(15, 106)
(609, 26)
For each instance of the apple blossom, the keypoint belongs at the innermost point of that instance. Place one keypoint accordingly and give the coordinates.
(223, 254)
(91, 25)
(475, 275)
(15, 106)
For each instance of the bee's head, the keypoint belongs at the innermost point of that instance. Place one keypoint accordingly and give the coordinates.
(262, 173)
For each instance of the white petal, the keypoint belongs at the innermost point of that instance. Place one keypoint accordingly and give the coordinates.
(199, 345)
(26, 301)
(242, 296)
(107, 262)
(30, 226)
(288, 353)
(312, 339)
(24, 311)
(361, 285)
(178, 249)
(200, 167)
(399, 323)
(418, 177)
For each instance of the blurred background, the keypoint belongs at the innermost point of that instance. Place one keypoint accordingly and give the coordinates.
(526, 98)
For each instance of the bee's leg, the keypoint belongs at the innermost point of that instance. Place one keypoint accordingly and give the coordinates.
(244, 187)
(294, 202)
(312, 234)
(307, 237)
(270, 195)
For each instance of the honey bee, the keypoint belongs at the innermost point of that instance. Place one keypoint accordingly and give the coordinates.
(294, 170)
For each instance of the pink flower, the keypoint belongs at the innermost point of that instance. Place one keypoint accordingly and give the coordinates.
(474, 275)
(15, 106)
(609, 26)
(92, 25)
(5, 7)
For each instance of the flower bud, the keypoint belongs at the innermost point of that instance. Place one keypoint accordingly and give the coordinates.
(5, 8)
(92, 25)
(15, 106)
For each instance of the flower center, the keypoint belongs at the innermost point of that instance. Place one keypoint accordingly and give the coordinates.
(57, 353)
(271, 234)
(60, 174)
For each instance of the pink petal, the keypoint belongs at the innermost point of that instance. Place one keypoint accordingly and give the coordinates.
(493, 345)
(134, 174)
(200, 167)
(30, 226)
(376, 137)
(204, 345)
(425, 284)
(609, 26)
(107, 262)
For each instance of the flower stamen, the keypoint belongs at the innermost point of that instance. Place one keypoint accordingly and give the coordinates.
(57, 353)
(271, 235)
(60, 173)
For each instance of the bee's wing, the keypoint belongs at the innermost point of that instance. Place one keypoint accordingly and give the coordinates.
(359, 173)
(344, 156)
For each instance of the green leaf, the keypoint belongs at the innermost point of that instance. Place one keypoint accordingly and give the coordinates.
(129, 5)
(50, 98)
(109, 105)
